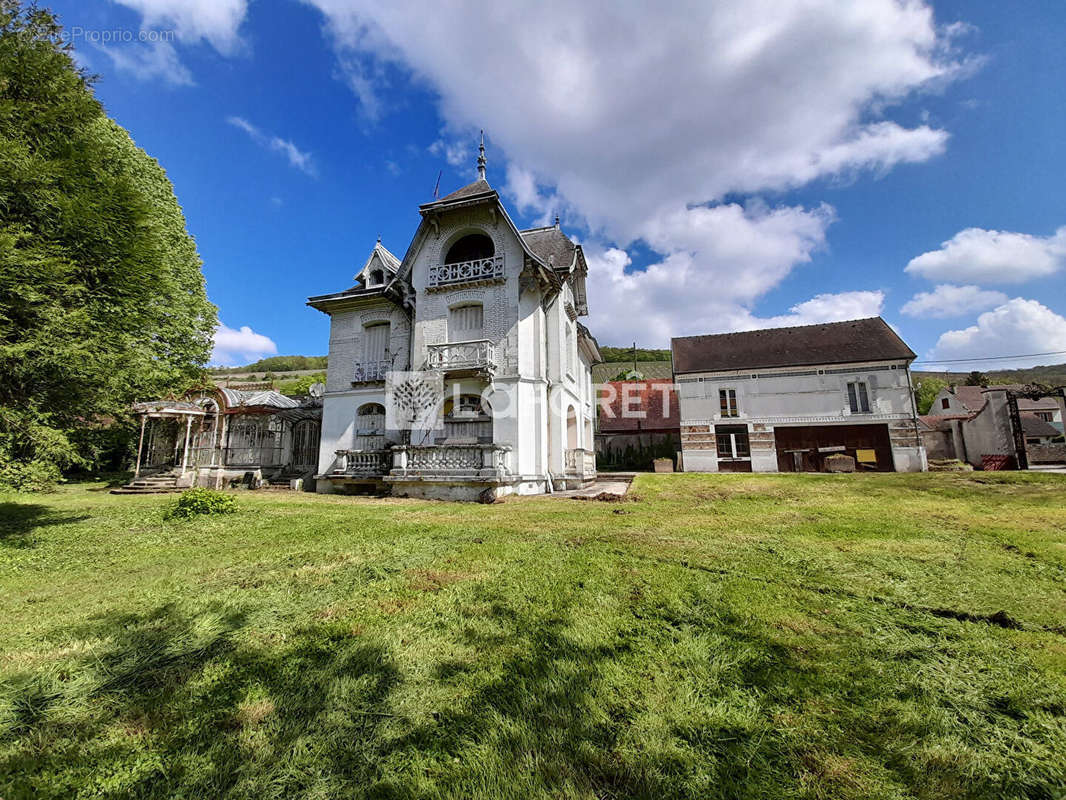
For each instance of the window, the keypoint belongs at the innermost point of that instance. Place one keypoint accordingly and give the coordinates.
(467, 419)
(858, 398)
(569, 349)
(377, 277)
(945, 403)
(466, 323)
(376, 342)
(1047, 416)
(727, 399)
(470, 248)
(732, 441)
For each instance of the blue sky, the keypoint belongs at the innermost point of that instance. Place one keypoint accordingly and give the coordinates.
(726, 166)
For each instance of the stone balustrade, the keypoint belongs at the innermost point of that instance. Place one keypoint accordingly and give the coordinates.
(456, 461)
(480, 270)
(579, 462)
(475, 355)
(363, 462)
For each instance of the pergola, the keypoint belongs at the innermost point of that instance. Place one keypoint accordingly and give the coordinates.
(167, 409)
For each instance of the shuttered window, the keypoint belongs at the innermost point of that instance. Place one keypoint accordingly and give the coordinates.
(376, 342)
(465, 323)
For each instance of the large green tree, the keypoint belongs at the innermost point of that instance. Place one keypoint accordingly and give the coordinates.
(102, 297)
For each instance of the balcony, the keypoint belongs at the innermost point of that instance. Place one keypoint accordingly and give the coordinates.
(456, 462)
(478, 271)
(369, 371)
(362, 463)
(474, 357)
(580, 463)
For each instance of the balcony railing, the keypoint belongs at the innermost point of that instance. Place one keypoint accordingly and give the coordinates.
(480, 270)
(368, 463)
(580, 462)
(474, 355)
(457, 461)
(369, 371)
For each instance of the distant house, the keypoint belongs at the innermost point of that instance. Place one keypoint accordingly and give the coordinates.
(783, 399)
(968, 400)
(639, 421)
(974, 424)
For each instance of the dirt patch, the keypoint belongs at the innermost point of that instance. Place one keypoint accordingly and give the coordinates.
(251, 714)
(433, 580)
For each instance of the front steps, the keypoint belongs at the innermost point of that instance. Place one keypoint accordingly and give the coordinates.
(151, 484)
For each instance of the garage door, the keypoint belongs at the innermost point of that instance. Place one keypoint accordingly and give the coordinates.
(803, 449)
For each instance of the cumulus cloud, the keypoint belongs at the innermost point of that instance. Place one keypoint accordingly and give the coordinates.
(234, 347)
(149, 61)
(455, 152)
(947, 300)
(1017, 327)
(723, 258)
(827, 308)
(296, 157)
(986, 256)
(215, 21)
(642, 123)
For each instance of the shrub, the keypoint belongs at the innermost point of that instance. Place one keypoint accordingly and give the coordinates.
(33, 476)
(203, 501)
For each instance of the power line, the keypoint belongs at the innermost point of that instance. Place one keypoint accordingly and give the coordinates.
(989, 358)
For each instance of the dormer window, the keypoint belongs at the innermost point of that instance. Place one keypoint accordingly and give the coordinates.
(375, 278)
(470, 248)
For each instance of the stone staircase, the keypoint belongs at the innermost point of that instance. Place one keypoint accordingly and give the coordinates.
(162, 483)
(284, 479)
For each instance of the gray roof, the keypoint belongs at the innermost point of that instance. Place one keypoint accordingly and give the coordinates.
(1034, 426)
(551, 245)
(264, 398)
(807, 345)
(474, 189)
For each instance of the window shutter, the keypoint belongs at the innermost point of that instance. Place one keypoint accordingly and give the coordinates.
(465, 323)
(376, 342)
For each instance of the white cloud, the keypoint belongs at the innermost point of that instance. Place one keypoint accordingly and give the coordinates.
(149, 61)
(827, 308)
(1017, 327)
(234, 347)
(640, 122)
(724, 257)
(216, 21)
(985, 256)
(952, 301)
(455, 152)
(303, 161)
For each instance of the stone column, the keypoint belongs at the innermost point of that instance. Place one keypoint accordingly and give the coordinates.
(185, 452)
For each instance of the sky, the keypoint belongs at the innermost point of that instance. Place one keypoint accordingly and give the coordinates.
(726, 165)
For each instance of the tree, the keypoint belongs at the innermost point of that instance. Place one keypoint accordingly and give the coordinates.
(977, 378)
(102, 298)
(925, 391)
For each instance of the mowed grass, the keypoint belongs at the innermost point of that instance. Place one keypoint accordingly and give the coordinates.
(718, 636)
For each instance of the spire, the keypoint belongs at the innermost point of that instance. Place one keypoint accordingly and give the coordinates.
(481, 158)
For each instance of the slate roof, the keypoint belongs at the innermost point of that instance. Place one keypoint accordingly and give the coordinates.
(646, 396)
(1034, 426)
(474, 189)
(550, 245)
(935, 421)
(807, 345)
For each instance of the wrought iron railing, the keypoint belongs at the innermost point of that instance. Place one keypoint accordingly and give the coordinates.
(368, 371)
(473, 355)
(480, 270)
(363, 462)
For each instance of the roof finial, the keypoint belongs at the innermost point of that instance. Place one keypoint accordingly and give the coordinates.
(556, 222)
(481, 158)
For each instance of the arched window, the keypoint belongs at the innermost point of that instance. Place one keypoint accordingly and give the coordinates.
(470, 248)
(370, 427)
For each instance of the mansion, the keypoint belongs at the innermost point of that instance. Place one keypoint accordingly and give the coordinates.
(477, 324)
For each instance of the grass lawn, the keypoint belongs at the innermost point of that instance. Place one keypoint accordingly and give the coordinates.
(721, 636)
